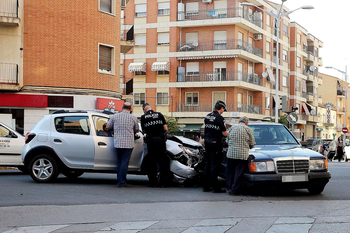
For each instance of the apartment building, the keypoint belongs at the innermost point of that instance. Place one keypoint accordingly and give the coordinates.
(188, 54)
(58, 54)
(334, 91)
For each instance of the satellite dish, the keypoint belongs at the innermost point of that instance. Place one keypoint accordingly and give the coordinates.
(264, 74)
(313, 112)
(312, 68)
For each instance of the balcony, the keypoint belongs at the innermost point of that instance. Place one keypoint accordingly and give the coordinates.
(220, 45)
(339, 127)
(127, 39)
(224, 76)
(9, 13)
(9, 77)
(340, 110)
(340, 93)
(309, 97)
(208, 107)
(123, 4)
(220, 14)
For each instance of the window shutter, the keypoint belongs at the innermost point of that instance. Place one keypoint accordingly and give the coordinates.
(192, 7)
(140, 39)
(163, 38)
(192, 67)
(192, 37)
(105, 62)
(220, 35)
(105, 5)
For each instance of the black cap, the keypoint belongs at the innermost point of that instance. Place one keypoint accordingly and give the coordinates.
(222, 104)
(145, 105)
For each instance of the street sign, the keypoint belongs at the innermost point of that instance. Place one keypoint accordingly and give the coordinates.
(345, 130)
(292, 118)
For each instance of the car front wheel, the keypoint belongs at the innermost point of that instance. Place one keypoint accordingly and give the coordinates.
(43, 168)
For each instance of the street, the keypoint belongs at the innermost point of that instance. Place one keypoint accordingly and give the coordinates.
(95, 199)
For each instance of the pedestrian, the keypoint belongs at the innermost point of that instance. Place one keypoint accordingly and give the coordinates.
(340, 148)
(125, 126)
(214, 131)
(240, 139)
(153, 124)
(197, 138)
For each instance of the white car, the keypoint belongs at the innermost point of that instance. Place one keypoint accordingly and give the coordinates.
(11, 145)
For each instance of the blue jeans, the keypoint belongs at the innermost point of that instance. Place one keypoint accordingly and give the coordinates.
(123, 158)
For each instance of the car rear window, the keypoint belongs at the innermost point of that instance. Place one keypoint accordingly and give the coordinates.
(73, 125)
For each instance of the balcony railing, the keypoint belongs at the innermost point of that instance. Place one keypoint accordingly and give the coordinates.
(8, 73)
(220, 45)
(9, 8)
(207, 107)
(224, 76)
(220, 14)
(339, 92)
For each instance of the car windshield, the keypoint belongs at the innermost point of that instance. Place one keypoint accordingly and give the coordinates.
(272, 134)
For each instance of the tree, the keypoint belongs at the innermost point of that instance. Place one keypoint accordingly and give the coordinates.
(282, 119)
(172, 124)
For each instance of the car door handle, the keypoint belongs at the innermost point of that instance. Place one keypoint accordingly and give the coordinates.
(57, 140)
(101, 144)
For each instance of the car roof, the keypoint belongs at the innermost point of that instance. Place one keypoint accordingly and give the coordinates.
(257, 123)
(79, 111)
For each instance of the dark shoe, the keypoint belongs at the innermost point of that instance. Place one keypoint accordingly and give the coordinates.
(219, 191)
(207, 190)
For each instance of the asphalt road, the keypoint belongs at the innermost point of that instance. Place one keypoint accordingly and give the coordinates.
(18, 189)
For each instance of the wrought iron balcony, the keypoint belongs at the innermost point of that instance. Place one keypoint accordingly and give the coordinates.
(220, 45)
(224, 76)
(207, 107)
(220, 14)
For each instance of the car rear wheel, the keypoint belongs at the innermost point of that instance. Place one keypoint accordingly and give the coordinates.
(71, 174)
(316, 189)
(43, 168)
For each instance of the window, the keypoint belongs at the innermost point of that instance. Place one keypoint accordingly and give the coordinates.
(107, 6)
(267, 47)
(164, 8)
(267, 102)
(73, 124)
(162, 72)
(192, 98)
(285, 81)
(163, 38)
(140, 39)
(219, 95)
(298, 62)
(162, 98)
(141, 10)
(268, 20)
(139, 98)
(99, 122)
(250, 100)
(191, 8)
(298, 38)
(285, 30)
(220, 40)
(136, 73)
(192, 68)
(4, 132)
(192, 38)
(298, 85)
(240, 71)
(239, 101)
(285, 55)
(106, 59)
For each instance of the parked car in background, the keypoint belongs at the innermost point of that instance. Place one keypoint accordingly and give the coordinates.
(320, 145)
(11, 145)
(69, 143)
(278, 160)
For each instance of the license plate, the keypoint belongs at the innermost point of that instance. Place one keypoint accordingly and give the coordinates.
(295, 178)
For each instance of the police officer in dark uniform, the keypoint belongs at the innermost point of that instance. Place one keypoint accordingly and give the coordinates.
(154, 125)
(214, 130)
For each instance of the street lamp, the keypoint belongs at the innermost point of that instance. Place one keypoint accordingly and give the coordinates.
(346, 88)
(277, 19)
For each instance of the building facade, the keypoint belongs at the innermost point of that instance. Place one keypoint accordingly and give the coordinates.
(58, 54)
(189, 54)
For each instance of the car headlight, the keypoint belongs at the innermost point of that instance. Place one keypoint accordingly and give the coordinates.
(262, 166)
(190, 151)
(318, 164)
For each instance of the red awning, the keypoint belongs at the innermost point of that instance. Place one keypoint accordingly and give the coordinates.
(306, 110)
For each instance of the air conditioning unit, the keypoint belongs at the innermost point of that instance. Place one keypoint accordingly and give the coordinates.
(257, 36)
(207, 1)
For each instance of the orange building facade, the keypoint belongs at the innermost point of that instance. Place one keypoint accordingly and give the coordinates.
(189, 54)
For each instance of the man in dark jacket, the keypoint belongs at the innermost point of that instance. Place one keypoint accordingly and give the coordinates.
(154, 125)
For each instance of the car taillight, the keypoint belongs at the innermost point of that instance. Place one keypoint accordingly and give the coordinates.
(29, 137)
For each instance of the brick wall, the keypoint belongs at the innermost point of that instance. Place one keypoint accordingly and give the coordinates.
(61, 44)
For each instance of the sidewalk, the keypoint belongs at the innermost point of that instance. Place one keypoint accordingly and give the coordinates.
(187, 217)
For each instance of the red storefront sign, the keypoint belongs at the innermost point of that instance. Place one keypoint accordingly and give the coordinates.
(102, 104)
(23, 100)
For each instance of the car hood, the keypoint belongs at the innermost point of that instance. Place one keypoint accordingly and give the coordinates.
(188, 141)
(276, 151)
